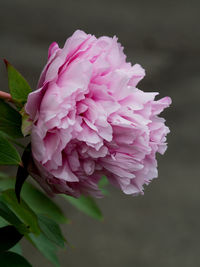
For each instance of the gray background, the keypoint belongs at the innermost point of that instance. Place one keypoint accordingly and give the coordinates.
(160, 228)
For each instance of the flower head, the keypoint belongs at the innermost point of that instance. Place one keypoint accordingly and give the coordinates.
(89, 120)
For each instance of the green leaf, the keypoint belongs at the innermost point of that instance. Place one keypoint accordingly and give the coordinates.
(6, 182)
(19, 87)
(22, 171)
(22, 210)
(45, 246)
(8, 153)
(9, 237)
(52, 230)
(7, 214)
(87, 205)
(4, 175)
(11, 259)
(17, 249)
(3, 222)
(10, 120)
(34, 197)
(12, 140)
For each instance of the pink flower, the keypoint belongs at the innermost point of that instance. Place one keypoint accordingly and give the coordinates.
(89, 119)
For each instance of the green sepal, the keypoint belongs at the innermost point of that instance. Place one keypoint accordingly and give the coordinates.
(103, 182)
(26, 123)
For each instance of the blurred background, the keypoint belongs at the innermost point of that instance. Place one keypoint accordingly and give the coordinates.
(160, 228)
